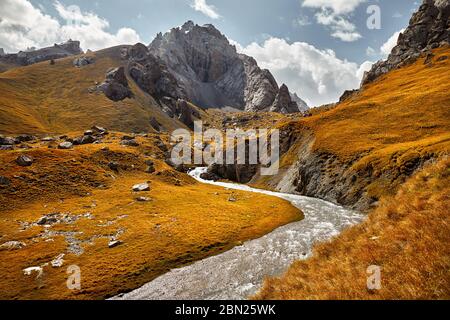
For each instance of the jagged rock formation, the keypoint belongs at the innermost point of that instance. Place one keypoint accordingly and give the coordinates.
(207, 70)
(151, 74)
(302, 105)
(429, 28)
(115, 86)
(283, 102)
(57, 51)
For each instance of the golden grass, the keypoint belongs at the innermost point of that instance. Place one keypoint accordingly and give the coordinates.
(44, 98)
(408, 236)
(185, 221)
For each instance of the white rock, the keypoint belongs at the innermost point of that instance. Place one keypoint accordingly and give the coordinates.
(58, 261)
(141, 187)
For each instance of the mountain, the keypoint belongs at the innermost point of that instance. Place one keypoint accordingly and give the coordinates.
(25, 58)
(209, 72)
(428, 29)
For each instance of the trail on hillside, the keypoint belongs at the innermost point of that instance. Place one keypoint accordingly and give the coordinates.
(239, 272)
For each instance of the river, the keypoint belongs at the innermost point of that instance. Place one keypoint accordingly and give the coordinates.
(239, 272)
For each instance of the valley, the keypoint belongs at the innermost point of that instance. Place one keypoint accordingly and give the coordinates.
(89, 185)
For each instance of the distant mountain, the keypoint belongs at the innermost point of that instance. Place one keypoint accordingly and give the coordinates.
(57, 51)
(206, 69)
(302, 105)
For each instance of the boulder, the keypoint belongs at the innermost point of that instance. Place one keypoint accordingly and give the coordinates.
(65, 145)
(129, 143)
(115, 87)
(141, 187)
(114, 243)
(24, 160)
(83, 61)
(9, 141)
(12, 245)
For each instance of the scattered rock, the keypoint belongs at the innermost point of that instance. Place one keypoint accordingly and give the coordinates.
(6, 148)
(12, 245)
(47, 220)
(114, 243)
(143, 199)
(30, 270)
(150, 166)
(232, 198)
(48, 139)
(65, 145)
(113, 166)
(26, 138)
(141, 187)
(100, 130)
(58, 261)
(129, 143)
(83, 61)
(24, 161)
(4, 181)
(7, 141)
(84, 140)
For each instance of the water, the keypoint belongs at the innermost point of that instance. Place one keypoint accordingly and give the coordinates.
(239, 272)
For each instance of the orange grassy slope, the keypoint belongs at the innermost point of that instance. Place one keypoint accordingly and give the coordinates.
(55, 99)
(408, 236)
(181, 220)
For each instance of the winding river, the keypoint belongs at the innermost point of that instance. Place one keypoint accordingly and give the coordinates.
(239, 272)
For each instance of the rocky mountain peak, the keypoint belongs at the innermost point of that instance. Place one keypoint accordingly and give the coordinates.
(429, 28)
(209, 72)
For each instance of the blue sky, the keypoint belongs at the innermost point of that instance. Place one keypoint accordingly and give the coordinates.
(328, 28)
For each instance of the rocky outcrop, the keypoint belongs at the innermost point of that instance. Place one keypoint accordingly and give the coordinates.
(57, 51)
(209, 72)
(429, 28)
(115, 86)
(302, 105)
(151, 74)
(283, 102)
(180, 110)
(83, 61)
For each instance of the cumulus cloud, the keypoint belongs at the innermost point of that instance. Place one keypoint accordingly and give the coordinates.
(206, 9)
(317, 76)
(22, 25)
(335, 15)
(387, 47)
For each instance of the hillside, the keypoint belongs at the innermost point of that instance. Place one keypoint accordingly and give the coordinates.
(407, 236)
(367, 146)
(76, 203)
(44, 98)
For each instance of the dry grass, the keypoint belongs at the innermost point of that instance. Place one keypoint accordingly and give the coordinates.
(185, 221)
(44, 98)
(408, 236)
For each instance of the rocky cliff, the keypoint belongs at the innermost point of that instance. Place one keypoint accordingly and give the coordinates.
(57, 51)
(206, 69)
(429, 28)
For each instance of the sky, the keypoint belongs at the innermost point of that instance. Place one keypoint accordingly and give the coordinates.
(319, 48)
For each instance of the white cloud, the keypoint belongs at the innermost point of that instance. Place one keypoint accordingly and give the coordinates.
(387, 47)
(335, 15)
(337, 6)
(22, 25)
(317, 76)
(206, 9)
